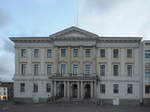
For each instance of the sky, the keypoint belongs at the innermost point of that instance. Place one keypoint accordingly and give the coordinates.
(23, 18)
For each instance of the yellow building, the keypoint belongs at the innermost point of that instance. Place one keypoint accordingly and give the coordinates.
(77, 64)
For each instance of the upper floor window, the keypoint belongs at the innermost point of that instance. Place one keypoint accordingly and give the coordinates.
(22, 87)
(49, 53)
(36, 53)
(75, 52)
(116, 53)
(129, 88)
(63, 68)
(102, 53)
(48, 87)
(147, 89)
(129, 53)
(102, 69)
(147, 72)
(102, 88)
(115, 88)
(147, 53)
(23, 69)
(75, 69)
(23, 52)
(87, 68)
(49, 69)
(87, 52)
(36, 69)
(129, 69)
(115, 70)
(35, 87)
(63, 52)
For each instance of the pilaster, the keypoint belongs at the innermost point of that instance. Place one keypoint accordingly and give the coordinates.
(81, 60)
(69, 61)
(122, 61)
(42, 61)
(16, 61)
(109, 61)
(55, 60)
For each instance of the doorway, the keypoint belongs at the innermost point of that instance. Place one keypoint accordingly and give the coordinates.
(87, 91)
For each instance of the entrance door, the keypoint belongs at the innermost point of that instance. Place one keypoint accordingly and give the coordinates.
(74, 91)
(87, 91)
(61, 92)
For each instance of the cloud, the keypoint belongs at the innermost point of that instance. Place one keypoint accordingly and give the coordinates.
(7, 66)
(5, 18)
(115, 18)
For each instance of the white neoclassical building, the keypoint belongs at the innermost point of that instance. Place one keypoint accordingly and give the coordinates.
(77, 64)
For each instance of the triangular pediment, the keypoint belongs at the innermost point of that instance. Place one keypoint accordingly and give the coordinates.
(73, 33)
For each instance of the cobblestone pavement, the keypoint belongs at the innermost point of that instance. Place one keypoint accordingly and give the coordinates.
(10, 107)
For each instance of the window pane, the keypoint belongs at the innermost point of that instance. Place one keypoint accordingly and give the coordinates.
(22, 87)
(75, 52)
(115, 53)
(129, 70)
(49, 53)
(87, 69)
(129, 89)
(102, 88)
(49, 69)
(115, 68)
(48, 87)
(102, 53)
(147, 72)
(23, 52)
(129, 53)
(75, 69)
(87, 53)
(115, 88)
(147, 89)
(102, 70)
(36, 69)
(23, 69)
(63, 52)
(36, 53)
(35, 87)
(63, 69)
(147, 53)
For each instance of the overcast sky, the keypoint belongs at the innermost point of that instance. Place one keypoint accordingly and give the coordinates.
(44, 17)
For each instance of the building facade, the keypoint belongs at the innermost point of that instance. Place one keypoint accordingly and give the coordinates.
(77, 64)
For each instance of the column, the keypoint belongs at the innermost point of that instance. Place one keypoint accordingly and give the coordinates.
(94, 62)
(52, 85)
(29, 62)
(65, 88)
(78, 89)
(68, 90)
(109, 61)
(91, 89)
(16, 61)
(55, 60)
(81, 89)
(81, 61)
(55, 88)
(122, 62)
(69, 61)
(95, 89)
(42, 61)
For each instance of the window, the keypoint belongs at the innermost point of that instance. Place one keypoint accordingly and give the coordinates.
(87, 52)
(129, 89)
(49, 69)
(75, 69)
(115, 88)
(75, 52)
(22, 87)
(63, 52)
(147, 72)
(115, 70)
(115, 53)
(36, 69)
(102, 69)
(147, 53)
(49, 53)
(147, 89)
(23, 68)
(102, 88)
(48, 87)
(102, 53)
(36, 53)
(63, 68)
(23, 52)
(87, 68)
(129, 53)
(35, 87)
(129, 69)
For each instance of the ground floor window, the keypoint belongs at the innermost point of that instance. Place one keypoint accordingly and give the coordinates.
(147, 89)
(22, 87)
(116, 88)
(35, 87)
(48, 87)
(129, 88)
(102, 88)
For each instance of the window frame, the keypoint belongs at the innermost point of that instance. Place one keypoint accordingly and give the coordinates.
(75, 52)
(116, 89)
(35, 88)
(63, 54)
(147, 91)
(115, 51)
(62, 72)
(102, 64)
(51, 67)
(22, 87)
(23, 53)
(114, 70)
(73, 68)
(128, 54)
(36, 72)
(49, 53)
(87, 54)
(48, 87)
(129, 88)
(87, 65)
(23, 68)
(102, 88)
(101, 53)
(36, 53)
(130, 71)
